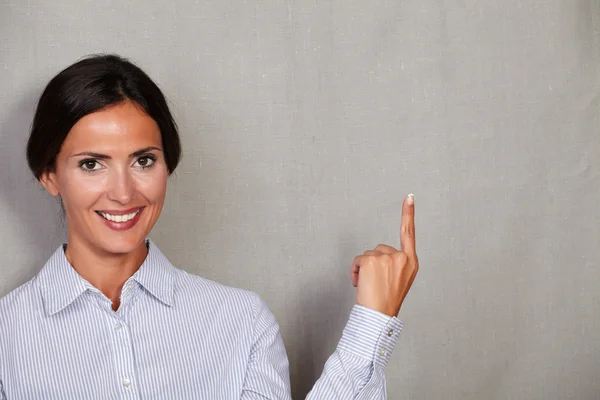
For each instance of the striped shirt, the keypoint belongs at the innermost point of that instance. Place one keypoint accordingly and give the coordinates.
(174, 336)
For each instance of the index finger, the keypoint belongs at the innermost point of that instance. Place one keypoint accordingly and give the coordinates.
(407, 226)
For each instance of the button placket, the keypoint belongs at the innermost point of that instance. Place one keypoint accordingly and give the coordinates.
(126, 292)
(124, 361)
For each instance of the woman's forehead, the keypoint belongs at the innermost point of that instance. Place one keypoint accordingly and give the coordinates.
(121, 127)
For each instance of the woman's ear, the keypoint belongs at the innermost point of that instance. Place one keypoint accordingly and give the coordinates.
(49, 182)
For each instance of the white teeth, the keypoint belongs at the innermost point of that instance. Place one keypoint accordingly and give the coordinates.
(119, 218)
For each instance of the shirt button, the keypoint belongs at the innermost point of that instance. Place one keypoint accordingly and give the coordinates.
(390, 332)
(126, 382)
(118, 326)
(382, 351)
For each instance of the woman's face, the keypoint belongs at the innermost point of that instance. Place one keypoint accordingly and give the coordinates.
(112, 177)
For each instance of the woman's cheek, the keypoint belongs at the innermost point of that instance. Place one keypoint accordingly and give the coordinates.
(152, 184)
(85, 188)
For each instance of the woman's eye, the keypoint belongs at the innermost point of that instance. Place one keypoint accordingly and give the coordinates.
(144, 162)
(89, 165)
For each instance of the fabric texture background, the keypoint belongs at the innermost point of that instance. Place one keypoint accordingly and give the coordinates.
(304, 125)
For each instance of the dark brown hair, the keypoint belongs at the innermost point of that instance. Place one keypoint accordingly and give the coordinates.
(93, 84)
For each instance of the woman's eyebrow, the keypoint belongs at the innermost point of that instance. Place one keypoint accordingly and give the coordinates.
(144, 150)
(93, 155)
(106, 157)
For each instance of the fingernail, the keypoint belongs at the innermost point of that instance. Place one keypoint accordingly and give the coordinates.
(411, 199)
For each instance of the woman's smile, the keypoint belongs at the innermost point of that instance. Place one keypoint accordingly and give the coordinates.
(121, 220)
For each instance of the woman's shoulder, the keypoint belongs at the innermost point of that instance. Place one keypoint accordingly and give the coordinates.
(206, 291)
(18, 301)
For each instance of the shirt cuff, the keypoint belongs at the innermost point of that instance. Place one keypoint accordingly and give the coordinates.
(370, 334)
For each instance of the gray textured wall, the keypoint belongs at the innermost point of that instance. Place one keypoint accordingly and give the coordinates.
(305, 123)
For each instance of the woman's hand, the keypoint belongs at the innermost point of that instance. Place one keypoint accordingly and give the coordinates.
(384, 276)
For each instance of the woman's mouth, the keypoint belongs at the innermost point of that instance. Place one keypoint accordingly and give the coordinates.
(121, 220)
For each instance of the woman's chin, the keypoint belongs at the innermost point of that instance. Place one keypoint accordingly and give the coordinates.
(123, 244)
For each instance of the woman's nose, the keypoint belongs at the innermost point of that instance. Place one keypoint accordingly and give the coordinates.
(121, 187)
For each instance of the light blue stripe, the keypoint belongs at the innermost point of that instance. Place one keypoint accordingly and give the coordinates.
(175, 336)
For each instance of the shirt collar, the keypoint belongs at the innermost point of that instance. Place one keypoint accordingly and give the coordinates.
(61, 285)
(157, 275)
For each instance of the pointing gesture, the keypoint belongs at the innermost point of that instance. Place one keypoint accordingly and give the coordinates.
(383, 276)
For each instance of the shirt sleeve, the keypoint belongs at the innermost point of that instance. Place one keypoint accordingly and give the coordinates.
(267, 374)
(355, 371)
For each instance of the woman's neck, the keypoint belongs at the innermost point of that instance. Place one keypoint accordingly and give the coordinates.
(105, 271)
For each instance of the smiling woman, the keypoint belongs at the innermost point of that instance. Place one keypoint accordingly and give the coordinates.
(102, 153)
(108, 316)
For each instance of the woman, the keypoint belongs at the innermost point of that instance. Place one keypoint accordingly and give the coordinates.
(108, 317)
